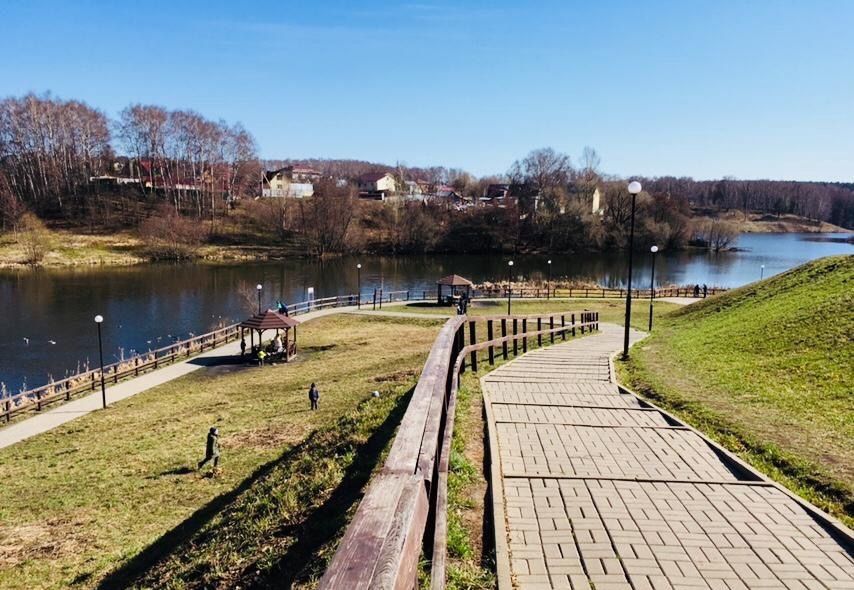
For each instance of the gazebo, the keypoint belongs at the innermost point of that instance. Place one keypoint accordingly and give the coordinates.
(457, 284)
(272, 320)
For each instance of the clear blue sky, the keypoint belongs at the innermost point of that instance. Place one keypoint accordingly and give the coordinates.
(752, 89)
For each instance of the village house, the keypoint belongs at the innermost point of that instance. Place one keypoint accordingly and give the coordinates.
(377, 185)
(289, 181)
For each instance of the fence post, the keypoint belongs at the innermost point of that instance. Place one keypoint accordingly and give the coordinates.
(489, 337)
(473, 341)
(539, 329)
(552, 327)
(460, 341)
(515, 340)
(375, 297)
(572, 321)
(381, 298)
(597, 320)
(93, 380)
(504, 335)
(67, 390)
(524, 334)
(8, 411)
(563, 325)
(39, 401)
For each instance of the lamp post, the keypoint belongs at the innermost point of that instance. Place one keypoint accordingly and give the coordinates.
(761, 272)
(258, 287)
(654, 249)
(99, 319)
(359, 282)
(549, 282)
(509, 284)
(634, 189)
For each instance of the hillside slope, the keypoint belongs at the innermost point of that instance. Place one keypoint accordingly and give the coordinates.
(768, 369)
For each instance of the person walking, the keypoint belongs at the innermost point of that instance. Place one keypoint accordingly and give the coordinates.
(696, 290)
(211, 448)
(242, 346)
(705, 290)
(313, 396)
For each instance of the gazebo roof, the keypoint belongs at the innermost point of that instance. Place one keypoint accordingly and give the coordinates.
(269, 320)
(455, 281)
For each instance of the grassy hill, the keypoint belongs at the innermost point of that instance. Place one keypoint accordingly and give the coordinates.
(767, 369)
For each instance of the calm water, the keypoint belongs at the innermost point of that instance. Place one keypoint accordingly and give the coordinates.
(148, 306)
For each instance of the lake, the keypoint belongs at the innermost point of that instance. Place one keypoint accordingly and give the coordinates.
(47, 328)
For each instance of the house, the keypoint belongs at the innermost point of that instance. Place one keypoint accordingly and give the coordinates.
(289, 181)
(377, 185)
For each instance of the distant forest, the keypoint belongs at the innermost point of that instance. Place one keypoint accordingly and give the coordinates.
(184, 173)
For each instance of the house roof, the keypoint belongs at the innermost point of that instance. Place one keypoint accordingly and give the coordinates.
(455, 281)
(269, 320)
(373, 176)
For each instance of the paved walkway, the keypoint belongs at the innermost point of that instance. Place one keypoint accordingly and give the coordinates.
(50, 419)
(595, 489)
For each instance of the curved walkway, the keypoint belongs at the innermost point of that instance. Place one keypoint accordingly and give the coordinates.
(594, 488)
(50, 419)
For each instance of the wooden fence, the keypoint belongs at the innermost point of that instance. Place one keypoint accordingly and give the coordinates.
(597, 292)
(383, 544)
(37, 399)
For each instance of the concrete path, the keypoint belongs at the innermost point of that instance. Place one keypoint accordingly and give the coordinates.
(50, 419)
(593, 488)
(679, 300)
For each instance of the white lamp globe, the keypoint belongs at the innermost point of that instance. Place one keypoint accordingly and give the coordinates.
(550, 261)
(359, 265)
(654, 249)
(259, 286)
(99, 318)
(634, 187)
(510, 263)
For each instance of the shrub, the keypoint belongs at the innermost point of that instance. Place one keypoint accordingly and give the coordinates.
(170, 236)
(33, 238)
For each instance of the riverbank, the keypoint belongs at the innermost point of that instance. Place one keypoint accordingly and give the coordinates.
(235, 241)
(766, 223)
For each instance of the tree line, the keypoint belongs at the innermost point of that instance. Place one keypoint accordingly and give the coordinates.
(55, 155)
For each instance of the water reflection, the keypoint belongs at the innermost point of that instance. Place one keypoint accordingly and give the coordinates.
(148, 306)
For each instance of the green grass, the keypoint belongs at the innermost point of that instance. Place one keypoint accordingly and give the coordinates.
(113, 495)
(768, 370)
(610, 310)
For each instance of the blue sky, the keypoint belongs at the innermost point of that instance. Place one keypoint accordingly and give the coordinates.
(751, 89)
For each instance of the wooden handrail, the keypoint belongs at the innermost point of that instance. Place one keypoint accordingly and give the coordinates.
(382, 544)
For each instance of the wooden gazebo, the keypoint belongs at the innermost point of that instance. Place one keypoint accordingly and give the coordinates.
(272, 320)
(457, 285)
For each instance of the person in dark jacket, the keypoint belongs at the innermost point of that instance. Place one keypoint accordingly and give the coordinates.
(211, 448)
(696, 290)
(313, 396)
(242, 346)
(705, 290)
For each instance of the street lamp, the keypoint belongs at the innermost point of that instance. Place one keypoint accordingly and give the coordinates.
(654, 249)
(99, 319)
(259, 286)
(761, 272)
(549, 282)
(634, 189)
(359, 281)
(509, 284)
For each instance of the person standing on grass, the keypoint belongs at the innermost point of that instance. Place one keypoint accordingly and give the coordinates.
(705, 290)
(211, 449)
(313, 396)
(242, 346)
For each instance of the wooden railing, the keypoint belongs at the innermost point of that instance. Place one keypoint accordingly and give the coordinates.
(592, 292)
(382, 545)
(37, 399)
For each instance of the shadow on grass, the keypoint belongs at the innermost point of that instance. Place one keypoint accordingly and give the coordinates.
(321, 525)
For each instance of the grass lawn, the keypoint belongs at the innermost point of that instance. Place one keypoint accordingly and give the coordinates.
(104, 499)
(768, 370)
(610, 310)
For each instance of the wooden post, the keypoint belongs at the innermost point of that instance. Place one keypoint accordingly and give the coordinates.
(381, 298)
(524, 334)
(572, 321)
(563, 325)
(459, 343)
(489, 337)
(375, 297)
(67, 390)
(504, 335)
(473, 341)
(551, 327)
(515, 340)
(539, 328)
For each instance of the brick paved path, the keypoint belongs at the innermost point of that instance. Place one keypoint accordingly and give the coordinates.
(595, 489)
